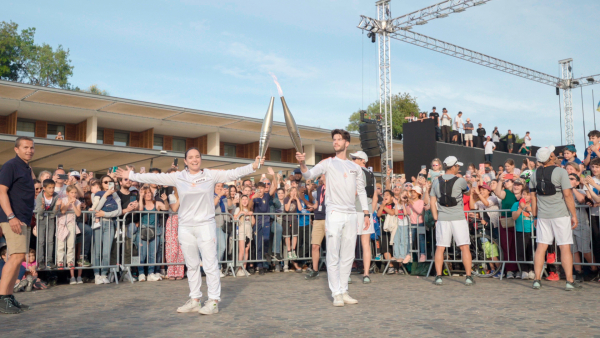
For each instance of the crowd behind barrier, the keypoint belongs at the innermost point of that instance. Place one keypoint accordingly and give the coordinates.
(120, 230)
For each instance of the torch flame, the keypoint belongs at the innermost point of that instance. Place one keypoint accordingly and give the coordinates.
(277, 83)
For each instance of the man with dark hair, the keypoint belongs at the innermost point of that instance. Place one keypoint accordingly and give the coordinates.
(593, 151)
(261, 204)
(345, 180)
(554, 215)
(247, 183)
(17, 197)
(129, 203)
(436, 118)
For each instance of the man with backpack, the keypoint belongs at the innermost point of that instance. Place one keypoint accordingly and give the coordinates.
(447, 209)
(361, 159)
(554, 215)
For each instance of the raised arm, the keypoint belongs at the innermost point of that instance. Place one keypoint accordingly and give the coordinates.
(160, 179)
(222, 176)
(315, 171)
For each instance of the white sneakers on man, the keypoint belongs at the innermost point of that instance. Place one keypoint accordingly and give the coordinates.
(348, 300)
(191, 305)
(338, 300)
(154, 277)
(98, 280)
(210, 307)
(142, 278)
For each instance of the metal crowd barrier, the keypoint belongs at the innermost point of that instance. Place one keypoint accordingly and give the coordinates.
(90, 249)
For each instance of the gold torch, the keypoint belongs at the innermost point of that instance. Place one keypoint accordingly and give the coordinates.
(292, 127)
(265, 132)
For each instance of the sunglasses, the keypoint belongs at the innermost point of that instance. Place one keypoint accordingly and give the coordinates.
(106, 182)
(435, 165)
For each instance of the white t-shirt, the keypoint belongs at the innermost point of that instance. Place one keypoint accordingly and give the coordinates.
(489, 147)
(494, 204)
(47, 202)
(446, 120)
(527, 141)
(458, 122)
(495, 138)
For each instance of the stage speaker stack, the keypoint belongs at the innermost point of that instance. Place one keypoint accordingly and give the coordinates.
(372, 140)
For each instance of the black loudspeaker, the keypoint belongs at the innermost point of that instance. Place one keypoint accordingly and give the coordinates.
(368, 139)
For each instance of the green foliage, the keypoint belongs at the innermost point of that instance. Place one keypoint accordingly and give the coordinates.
(93, 89)
(403, 105)
(22, 60)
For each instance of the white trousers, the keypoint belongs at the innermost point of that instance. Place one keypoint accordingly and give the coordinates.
(340, 232)
(196, 241)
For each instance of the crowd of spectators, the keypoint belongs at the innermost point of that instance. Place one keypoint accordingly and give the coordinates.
(78, 218)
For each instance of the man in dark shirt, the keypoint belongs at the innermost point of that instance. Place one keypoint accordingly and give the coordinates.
(481, 131)
(129, 203)
(436, 118)
(318, 230)
(261, 205)
(17, 197)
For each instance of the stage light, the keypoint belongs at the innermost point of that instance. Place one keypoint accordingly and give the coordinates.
(405, 28)
(442, 16)
(422, 22)
(458, 10)
(590, 79)
(478, 3)
(575, 83)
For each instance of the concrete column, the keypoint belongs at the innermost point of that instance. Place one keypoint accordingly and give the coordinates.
(213, 144)
(91, 129)
(309, 150)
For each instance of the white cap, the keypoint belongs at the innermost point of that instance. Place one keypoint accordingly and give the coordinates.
(451, 161)
(543, 154)
(74, 173)
(360, 154)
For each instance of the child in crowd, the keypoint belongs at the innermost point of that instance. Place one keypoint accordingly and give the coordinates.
(401, 249)
(246, 221)
(582, 235)
(20, 284)
(31, 275)
(570, 155)
(47, 205)
(67, 228)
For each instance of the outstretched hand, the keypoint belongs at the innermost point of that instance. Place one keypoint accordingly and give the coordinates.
(122, 173)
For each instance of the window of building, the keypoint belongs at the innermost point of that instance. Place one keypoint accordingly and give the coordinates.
(318, 158)
(179, 145)
(100, 136)
(25, 128)
(54, 129)
(276, 155)
(158, 143)
(121, 138)
(229, 150)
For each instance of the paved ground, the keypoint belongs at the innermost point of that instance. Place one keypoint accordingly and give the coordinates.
(284, 304)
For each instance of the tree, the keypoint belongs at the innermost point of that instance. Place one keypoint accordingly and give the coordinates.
(403, 105)
(22, 60)
(14, 48)
(93, 89)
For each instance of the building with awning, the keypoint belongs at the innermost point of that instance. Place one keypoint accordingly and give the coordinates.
(104, 131)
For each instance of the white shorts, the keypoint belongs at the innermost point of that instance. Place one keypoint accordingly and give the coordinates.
(360, 224)
(468, 137)
(445, 230)
(559, 229)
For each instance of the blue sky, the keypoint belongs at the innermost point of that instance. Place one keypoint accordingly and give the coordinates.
(216, 56)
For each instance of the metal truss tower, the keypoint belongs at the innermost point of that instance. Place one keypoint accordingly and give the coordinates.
(566, 74)
(385, 83)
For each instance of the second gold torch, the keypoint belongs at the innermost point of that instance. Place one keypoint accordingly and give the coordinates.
(292, 127)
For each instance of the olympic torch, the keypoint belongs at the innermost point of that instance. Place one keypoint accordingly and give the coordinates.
(265, 132)
(292, 127)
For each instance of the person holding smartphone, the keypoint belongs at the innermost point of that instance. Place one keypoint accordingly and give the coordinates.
(197, 226)
(129, 203)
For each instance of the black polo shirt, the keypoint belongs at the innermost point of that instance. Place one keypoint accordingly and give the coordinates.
(16, 175)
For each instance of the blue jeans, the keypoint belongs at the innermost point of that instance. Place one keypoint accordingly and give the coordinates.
(148, 254)
(86, 237)
(263, 231)
(421, 231)
(277, 229)
(103, 238)
(221, 243)
(401, 242)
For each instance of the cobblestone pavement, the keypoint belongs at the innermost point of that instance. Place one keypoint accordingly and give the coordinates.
(284, 304)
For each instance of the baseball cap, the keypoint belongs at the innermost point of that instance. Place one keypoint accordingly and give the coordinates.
(485, 186)
(74, 173)
(297, 171)
(360, 154)
(452, 161)
(417, 189)
(519, 181)
(571, 148)
(543, 154)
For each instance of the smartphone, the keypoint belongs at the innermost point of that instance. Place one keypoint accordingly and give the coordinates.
(175, 161)
(60, 166)
(474, 184)
(151, 161)
(509, 176)
(481, 167)
(111, 185)
(252, 180)
(587, 173)
(280, 172)
(589, 144)
(110, 170)
(114, 169)
(142, 170)
(63, 177)
(83, 170)
(303, 185)
(132, 198)
(370, 169)
(423, 167)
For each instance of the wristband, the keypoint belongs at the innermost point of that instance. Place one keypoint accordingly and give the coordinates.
(368, 215)
(11, 216)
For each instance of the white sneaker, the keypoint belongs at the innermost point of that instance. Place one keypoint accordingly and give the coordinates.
(222, 274)
(153, 278)
(348, 300)
(524, 275)
(191, 305)
(338, 300)
(142, 278)
(210, 307)
(510, 275)
(240, 273)
(105, 280)
(98, 280)
(531, 275)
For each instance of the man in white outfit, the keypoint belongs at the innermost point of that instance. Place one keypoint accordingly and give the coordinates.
(344, 180)
(197, 226)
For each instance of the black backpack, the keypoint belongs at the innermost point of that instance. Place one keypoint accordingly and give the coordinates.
(543, 181)
(369, 183)
(446, 186)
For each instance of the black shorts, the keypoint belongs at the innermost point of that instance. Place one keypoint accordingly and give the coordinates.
(290, 226)
(384, 243)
